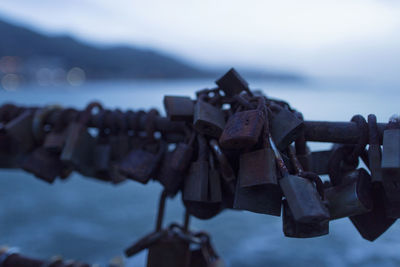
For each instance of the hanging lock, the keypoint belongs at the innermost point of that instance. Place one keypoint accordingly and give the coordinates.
(301, 194)
(232, 83)
(257, 188)
(208, 120)
(205, 255)
(179, 108)
(79, 145)
(285, 126)
(55, 140)
(175, 165)
(243, 128)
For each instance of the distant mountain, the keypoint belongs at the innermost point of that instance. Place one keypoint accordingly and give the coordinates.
(34, 52)
(98, 63)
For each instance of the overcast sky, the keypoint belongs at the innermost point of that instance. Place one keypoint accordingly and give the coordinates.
(330, 37)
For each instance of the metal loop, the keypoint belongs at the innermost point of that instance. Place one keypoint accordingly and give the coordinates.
(363, 139)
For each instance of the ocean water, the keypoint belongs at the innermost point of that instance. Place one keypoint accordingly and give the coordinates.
(85, 219)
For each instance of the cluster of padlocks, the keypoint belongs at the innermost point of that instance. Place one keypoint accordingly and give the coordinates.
(230, 148)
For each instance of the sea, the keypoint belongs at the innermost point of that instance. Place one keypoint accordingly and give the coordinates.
(92, 221)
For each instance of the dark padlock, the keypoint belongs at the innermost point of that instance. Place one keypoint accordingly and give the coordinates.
(141, 164)
(205, 255)
(373, 224)
(301, 194)
(352, 196)
(196, 183)
(292, 228)
(179, 108)
(208, 120)
(20, 132)
(319, 161)
(232, 83)
(214, 182)
(285, 126)
(257, 188)
(79, 145)
(243, 128)
(391, 160)
(44, 164)
(175, 165)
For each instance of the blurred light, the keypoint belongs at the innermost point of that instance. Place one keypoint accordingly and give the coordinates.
(8, 64)
(43, 76)
(76, 76)
(10, 82)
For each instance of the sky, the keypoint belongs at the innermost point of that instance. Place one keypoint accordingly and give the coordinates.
(350, 38)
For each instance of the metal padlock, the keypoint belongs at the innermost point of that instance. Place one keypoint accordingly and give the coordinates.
(55, 140)
(44, 164)
(243, 128)
(373, 224)
(208, 120)
(179, 108)
(140, 164)
(391, 160)
(214, 182)
(293, 228)
(285, 126)
(232, 83)
(102, 153)
(301, 194)
(319, 161)
(175, 165)
(205, 255)
(257, 188)
(79, 145)
(20, 132)
(196, 183)
(352, 197)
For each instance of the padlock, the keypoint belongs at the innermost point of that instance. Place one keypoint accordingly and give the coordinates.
(119, 138)
(303, 153)
(319, 161)
(79, 145)
(55, 140)
(301, 194)
(373, 224)
(293, 228)
(243, 128)
(20, 132)
(257, 188)
(208, 120)
(141, 164)
(175, 165)
(214, 182)
(352, 196)
(391, 160)
(285, 126)
(196, 183)
(44, 164)
(179, 108)
(232, 83)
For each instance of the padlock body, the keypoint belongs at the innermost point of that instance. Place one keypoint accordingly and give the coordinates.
(285, 128)
(169, 251)
(295, 229)
(214, 186)
(54, 141)
(102, 157)
(391, 164)
(181, 157)
(258, 168)
(139, 165)
(179, 108)
(169, 177)
(373, 224)
(303, 199)
(351, 198)
(265, 199)
(242, 130)
(196, 182)
(319, 161)
(208, 120)
(44, 165)
(232, 83)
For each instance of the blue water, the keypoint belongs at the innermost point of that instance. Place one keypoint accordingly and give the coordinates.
(85, 219)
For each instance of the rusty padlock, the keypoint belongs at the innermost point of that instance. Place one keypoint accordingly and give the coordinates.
(232, 83)
(56, 138)
(257, 188)
(285, 126)
(301, 194)
(243, 128)
(179, 108)
(293, 228)
(208, 120)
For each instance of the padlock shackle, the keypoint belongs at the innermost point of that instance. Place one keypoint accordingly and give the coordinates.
(161, 210)
(279, 160)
